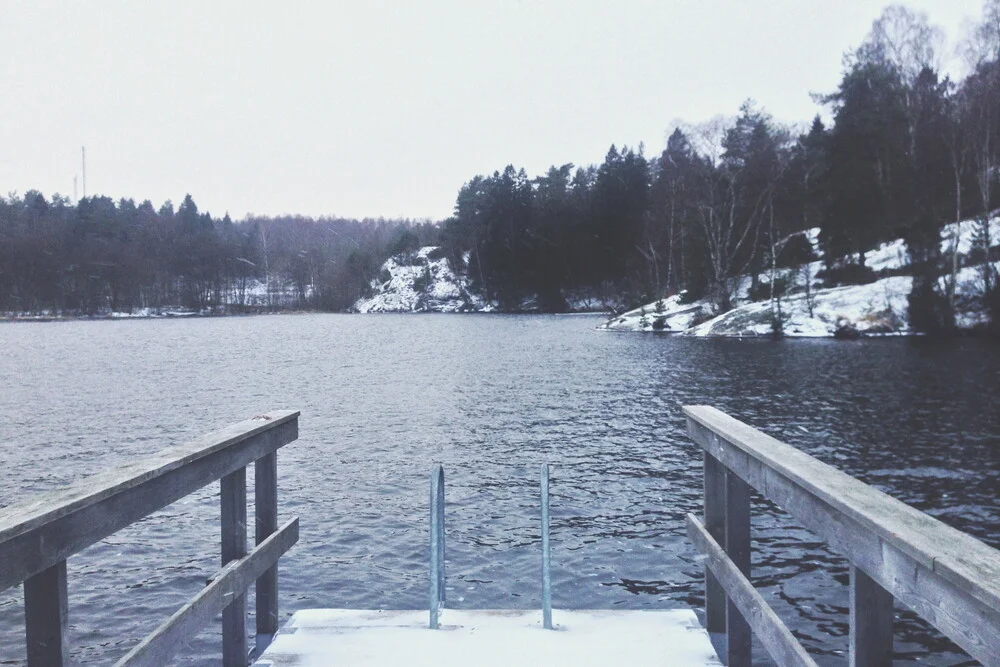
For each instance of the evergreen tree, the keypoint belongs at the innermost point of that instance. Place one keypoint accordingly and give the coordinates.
(930, 195)
(866, 160)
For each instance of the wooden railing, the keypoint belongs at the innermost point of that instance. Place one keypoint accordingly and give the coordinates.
(896, 552)
(37, 536)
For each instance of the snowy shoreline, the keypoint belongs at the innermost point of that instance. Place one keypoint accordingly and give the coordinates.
(876, 309)
(145, 314)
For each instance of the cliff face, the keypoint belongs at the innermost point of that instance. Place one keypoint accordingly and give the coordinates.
(422, 281)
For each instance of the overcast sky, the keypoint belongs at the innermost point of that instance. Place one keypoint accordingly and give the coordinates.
(385, 108)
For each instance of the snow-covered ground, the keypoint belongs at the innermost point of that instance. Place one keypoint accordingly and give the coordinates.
(879, 308)
(420, 282)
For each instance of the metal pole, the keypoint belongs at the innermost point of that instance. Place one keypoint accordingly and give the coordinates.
(437, 544)
(546, 554)
(440, 527)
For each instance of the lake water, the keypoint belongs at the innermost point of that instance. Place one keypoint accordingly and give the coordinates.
(384, 397)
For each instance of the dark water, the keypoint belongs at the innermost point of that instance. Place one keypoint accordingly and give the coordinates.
(492, 397)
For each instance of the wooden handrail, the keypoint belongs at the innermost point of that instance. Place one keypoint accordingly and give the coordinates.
(38, 535)
(948, 577)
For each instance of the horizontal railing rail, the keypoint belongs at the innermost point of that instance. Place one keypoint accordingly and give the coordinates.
(896, 552)
(38, 535)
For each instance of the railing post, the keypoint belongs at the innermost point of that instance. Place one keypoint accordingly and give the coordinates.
(437, 545)
(266, 511)
(738, 636)
(45, 614)
(233, 498)
(871, 622)
(715, 524)
(546, 553)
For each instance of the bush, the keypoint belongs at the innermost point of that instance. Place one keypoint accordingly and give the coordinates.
(689, 296)
(436, 254)
(847, 274)
(405, 241)
(762, 292)
(551, 300)
(423, 281)
(409, 259)
(991, 300)
(701, 318)
(928, 310)
(797, 250)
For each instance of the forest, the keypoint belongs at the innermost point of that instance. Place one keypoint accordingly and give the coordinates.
(100, 256)
(906, 151)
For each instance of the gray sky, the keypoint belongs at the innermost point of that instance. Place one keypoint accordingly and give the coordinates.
(386, 108)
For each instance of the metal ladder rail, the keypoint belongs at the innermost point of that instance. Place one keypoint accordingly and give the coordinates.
(437, 544)
(437, 588)
(546, 553)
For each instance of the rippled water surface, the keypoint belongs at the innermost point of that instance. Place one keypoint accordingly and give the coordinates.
(385, 397)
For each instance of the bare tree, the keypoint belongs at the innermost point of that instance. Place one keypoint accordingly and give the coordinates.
(267, 269)
(981, 119)
(906, 40)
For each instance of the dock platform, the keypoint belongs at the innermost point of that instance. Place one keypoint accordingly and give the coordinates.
(509, 637)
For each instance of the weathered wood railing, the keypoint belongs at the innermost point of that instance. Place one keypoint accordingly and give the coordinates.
(895, 551)
(37, 536)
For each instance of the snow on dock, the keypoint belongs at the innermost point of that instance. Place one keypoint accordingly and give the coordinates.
(513, 637)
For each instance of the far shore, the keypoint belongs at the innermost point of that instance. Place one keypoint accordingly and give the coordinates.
(178, 314)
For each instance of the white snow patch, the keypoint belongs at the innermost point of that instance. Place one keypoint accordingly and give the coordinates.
(966, 233)
(667, 315)
(320, 637)
(887, 257)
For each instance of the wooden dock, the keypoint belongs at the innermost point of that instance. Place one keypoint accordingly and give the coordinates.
(897, 555)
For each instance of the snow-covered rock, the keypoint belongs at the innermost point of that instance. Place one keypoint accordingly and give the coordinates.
(877, 308)
(672, 314)
(419, 282)
(424, 281)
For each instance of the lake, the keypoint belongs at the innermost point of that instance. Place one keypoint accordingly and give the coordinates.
(384, 397)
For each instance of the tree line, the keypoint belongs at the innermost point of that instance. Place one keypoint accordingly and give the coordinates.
(907, 152)
(99, 255)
